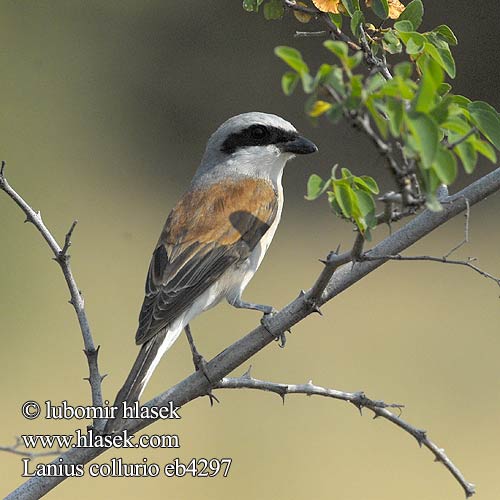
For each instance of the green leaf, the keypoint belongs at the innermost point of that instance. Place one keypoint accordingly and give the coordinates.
(414, 13)
(484, 148)
(381, 8)
(395, 112)
(380, 121)
(445, 166)
(367, 183)
(440, 52)
(356, 21)
(345, 197)
(374, 83)
(391, 43)
(293, 58)
(425, 132)
(404, 27)
(273, 10)
(403, 69)
(366, 203)
(316, 186)
(432, 77)
(487, 120)
(351, 6)
(468, 156)
(444, 88)
(413, 47)
(289, 81)
(252, 5)
(338, 48)
(445, 33)
(346, 173)
(336, 19)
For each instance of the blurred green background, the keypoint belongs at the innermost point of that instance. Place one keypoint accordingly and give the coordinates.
(106, 108)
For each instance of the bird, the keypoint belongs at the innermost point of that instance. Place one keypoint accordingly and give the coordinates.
(215, 237)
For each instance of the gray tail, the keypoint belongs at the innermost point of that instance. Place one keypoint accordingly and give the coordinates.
(136, 380)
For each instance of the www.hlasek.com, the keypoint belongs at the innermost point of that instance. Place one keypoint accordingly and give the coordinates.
(65, 467)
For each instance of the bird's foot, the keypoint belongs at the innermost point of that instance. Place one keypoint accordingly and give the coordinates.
(266, 323)
(201, 365)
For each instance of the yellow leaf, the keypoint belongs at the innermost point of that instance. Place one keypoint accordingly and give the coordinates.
(303, 17)
(395, 8)
(319, 108)
(327, 5)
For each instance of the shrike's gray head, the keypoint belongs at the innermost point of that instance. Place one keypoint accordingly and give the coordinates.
(253, 144)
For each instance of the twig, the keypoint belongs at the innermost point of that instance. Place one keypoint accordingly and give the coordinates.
(373, 61)
(308, 34)
(472, 131)
(332, 263)
(30, 454)
(442, 260)
(466, 231)
(360, 401)
(195, 385)
(62, 258)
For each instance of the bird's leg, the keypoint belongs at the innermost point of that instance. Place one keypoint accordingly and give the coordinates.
(199, 363)
(240, 304)
(266, 310)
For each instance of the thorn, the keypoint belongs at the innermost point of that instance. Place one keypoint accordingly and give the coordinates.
(421, 436)
(337, 251)
(2, 167)
(288, 330)
(301, 293)
(247, 374)
(375, 415)
(323, 261)
(282, 395)
(316, 309)
(103, 376)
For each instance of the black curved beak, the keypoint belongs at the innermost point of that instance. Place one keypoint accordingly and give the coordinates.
(300, 146)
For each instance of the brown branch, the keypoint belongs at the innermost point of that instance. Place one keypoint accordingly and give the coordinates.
(360, 401)
(62, 258)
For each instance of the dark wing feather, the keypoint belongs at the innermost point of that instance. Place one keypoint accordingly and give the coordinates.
(205, 234)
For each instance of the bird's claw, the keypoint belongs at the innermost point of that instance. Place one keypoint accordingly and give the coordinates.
(265, 322)
(201, 366)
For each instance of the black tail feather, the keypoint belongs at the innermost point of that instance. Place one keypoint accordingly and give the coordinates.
(134, 385)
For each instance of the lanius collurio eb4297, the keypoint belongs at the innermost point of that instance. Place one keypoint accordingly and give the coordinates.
(216, 236)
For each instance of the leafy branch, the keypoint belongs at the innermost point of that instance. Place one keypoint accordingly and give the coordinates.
(407, 108)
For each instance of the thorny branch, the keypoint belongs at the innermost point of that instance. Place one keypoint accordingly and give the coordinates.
(62, 257)
(196, 384)
(360, 401)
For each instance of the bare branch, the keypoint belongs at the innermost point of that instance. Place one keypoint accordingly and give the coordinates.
(466, 232)
(62, 258)
(360, 401)
(16, 450)
(442, 260)
(309, 34)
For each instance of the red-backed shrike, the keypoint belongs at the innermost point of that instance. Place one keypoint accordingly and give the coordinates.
(216, 236)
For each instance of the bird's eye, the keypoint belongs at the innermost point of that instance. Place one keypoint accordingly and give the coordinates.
(258, 131)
